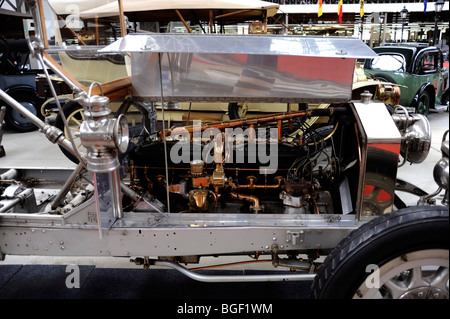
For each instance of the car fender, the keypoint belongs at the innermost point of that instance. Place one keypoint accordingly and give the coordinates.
(425, 87)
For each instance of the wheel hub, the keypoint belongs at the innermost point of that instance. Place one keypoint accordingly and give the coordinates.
(422, 274)
(425, 293)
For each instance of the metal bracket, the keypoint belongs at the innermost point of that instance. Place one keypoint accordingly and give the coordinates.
(295, 237)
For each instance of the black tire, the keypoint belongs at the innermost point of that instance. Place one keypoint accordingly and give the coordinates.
(379, 242)
(72, 110)
(14, 119)
(385, 77)
(424, 103)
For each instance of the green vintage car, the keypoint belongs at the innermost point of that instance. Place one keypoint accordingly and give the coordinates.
(417, 69)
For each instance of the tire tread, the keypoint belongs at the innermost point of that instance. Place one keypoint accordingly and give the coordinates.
(367, 233)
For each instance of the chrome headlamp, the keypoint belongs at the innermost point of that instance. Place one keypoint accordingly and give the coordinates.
(416, 135)
(103, 137)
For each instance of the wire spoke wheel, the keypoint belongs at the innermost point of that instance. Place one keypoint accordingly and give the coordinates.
(74, 114)
(74, 121)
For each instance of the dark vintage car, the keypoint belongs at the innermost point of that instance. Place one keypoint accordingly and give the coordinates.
(19, 81)
(17, 72)
(418, 69)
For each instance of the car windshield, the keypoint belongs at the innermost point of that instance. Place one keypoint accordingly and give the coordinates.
(81, 22)
(75, 32)
(388, 62)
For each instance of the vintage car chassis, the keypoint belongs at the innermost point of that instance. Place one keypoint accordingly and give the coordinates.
(32, 223)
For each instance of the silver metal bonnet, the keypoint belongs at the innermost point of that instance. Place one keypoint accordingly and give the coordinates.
(258, 68)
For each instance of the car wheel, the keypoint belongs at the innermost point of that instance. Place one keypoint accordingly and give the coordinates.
(74, 115)
(423, 105)
(404, 254)
(14, 119)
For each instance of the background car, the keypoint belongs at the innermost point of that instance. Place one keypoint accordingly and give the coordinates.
(417, 69)
(19, 81)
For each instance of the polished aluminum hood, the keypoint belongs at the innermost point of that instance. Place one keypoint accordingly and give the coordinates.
(250, 68)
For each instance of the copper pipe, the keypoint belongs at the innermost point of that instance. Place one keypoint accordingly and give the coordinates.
(252, 185)
(215, 200)
(253, 199)
(279, 126)
(315, 205)
(251, 133)
(187, 168)
(131, 175)
(256, 120)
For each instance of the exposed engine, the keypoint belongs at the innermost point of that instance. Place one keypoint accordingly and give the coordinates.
(261, 166)
(294, 184)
